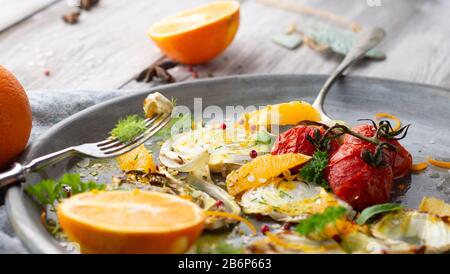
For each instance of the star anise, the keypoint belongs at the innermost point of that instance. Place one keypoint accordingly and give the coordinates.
(159, 70)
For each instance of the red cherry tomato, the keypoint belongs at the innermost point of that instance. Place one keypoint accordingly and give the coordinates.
(294, 140)
(355, 181)
(400, 160)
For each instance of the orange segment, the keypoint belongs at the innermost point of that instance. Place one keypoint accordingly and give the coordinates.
(137, 159)
(197, 35)
(289, 113)
(261, 170)
(130, 222)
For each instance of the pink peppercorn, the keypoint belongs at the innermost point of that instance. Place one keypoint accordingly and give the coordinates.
(264, 229)
(219, 203)
(253, 154)
(223, 126)
(287, 226)
(46, 72)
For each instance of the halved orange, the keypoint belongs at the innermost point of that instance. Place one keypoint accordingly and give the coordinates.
(261, 170)
(138, 159)
(289, 113)
(130, 222)
(197, 35)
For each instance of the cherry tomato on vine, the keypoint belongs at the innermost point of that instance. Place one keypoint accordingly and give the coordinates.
(354, 180)
(400, 160)
(295, 140)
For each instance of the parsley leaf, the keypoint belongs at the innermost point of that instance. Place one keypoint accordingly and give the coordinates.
(128, 128)
(44, 192)
(316, 223)
(47, 192)
(370, 212)
(312, 172)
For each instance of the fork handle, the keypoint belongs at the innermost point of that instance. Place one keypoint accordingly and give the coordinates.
(15, 174)
(18, 171)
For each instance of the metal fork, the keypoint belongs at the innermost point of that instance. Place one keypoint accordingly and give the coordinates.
(108, 148)
(364, 41)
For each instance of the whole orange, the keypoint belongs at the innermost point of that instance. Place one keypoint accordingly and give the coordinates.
(15, 118)
(197, 35)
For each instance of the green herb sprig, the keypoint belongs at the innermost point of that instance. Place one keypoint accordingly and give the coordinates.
(48, 192)
(316, 223)
(312, 172)
(128, 128)
(370, 212)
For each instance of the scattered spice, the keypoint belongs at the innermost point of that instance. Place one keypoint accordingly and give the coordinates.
(71, 18)
(194, 74)
(159, 70)
(46, 72)
(88, 4)
(223, 126)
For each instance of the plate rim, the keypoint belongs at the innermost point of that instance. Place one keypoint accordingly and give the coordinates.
(13, 194)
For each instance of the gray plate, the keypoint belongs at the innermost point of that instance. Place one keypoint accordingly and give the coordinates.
(427, 108)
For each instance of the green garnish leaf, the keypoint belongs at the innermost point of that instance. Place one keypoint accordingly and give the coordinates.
(48, 192)
(312, 172)
(370, 212)
(316, 223)
(263, 137)
(44, 192)
(128, 128)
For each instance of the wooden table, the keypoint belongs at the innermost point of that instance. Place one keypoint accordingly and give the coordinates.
(109, 46)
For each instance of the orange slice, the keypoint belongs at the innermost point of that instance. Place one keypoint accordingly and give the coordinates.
(138, 159)
(261, 170)
(130, 222)
(197, 35)
(289, 113)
